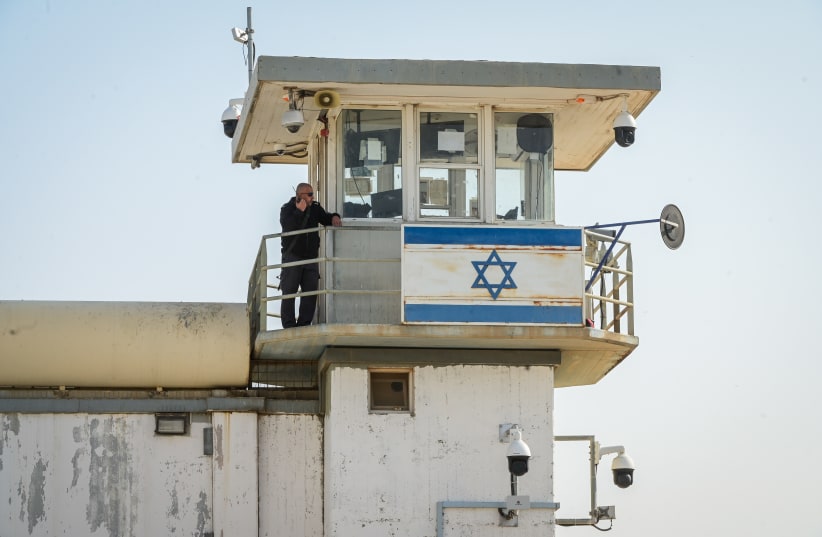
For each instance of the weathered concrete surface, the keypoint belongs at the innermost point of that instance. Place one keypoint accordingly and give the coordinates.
(235, 474)
(385, 472)
(102, 475)
(291, 475)
(123, 344)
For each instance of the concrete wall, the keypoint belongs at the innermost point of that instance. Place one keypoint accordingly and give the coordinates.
(385, 473)
(291, 475)
(101, 475)
(110, 475)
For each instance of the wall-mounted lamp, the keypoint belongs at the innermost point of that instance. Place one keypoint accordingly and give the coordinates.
(624, 126)
(171, 424)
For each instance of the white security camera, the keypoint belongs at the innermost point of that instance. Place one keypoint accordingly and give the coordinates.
(623, 469)
(293, 120)
(624, 129)
(518, 453)
(231, 116)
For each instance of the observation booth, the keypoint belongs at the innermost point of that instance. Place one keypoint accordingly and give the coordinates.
(443, 172)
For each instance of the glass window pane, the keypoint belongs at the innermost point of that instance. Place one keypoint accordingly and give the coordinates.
(448, 137)
(449, 192)
(372, 163)
(524, 148)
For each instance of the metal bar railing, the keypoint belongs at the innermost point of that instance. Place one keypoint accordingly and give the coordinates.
(608, 299)
(259, 285)
(609, 255)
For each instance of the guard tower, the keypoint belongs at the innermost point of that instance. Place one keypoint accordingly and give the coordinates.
(452, 302)
(421, 400)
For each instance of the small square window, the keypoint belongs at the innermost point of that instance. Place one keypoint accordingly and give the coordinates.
(389, 390)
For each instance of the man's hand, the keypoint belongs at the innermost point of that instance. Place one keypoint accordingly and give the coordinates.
(301, 205)
(336, 221)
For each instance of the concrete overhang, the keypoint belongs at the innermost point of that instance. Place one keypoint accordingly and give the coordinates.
(582, 132)
(586, 354)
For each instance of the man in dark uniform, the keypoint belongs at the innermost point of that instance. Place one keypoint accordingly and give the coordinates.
(302, 212)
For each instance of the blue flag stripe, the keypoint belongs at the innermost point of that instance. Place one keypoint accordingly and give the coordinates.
(497, 236)
(493, 314)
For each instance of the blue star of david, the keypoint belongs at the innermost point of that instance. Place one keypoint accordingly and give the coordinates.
(494, 261)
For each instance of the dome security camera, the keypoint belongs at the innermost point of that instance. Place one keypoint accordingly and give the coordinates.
(623, 469)
(293, 120)
(518, 454)
(231, 116)
(624, 129)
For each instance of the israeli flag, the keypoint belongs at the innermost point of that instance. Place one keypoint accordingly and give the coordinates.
(492, 275)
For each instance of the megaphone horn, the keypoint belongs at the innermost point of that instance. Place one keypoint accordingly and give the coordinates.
(326, 99)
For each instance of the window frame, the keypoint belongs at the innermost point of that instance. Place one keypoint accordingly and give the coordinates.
(408, 406)
(340, 180)
(479, 166)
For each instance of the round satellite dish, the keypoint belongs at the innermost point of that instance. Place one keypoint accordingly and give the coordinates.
(672, 226)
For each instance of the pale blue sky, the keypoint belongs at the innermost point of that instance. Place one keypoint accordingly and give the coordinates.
(116, 184)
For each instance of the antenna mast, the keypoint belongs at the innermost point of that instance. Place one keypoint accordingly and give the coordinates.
(249, 31)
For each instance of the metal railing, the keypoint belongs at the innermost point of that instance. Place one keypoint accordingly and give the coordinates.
(263, 290)
(609, 291)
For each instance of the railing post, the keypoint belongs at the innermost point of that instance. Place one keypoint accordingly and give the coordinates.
(603, 305)
(629, 266)
(615, 287)
(262, 289)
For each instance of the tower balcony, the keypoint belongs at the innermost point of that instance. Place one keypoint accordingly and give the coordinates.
(440, 287)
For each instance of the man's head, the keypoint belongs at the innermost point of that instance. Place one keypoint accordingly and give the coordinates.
(305, 192)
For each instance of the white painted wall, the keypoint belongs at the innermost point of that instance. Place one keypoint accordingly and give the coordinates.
(386, 472)
(291, 475)
(235, 474)
(101, 475)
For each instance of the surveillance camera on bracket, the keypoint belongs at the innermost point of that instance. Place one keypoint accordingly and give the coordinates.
(231, 116)
(292, 120)
(623, 475)
(624, 126)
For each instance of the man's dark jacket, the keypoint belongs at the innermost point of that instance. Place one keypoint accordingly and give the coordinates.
(306, 245)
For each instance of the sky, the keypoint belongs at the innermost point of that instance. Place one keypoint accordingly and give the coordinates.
(116, 184)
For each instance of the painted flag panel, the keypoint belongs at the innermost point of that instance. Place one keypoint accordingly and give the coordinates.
(492, 275)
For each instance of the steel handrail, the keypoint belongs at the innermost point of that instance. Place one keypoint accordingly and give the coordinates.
(616, 293)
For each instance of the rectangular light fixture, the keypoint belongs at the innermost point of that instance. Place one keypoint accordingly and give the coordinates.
(171, 424)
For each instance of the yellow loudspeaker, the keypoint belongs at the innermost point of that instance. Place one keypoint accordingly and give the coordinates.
(326, 99)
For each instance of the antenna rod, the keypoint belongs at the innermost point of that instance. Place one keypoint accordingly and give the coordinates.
(251, 51)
